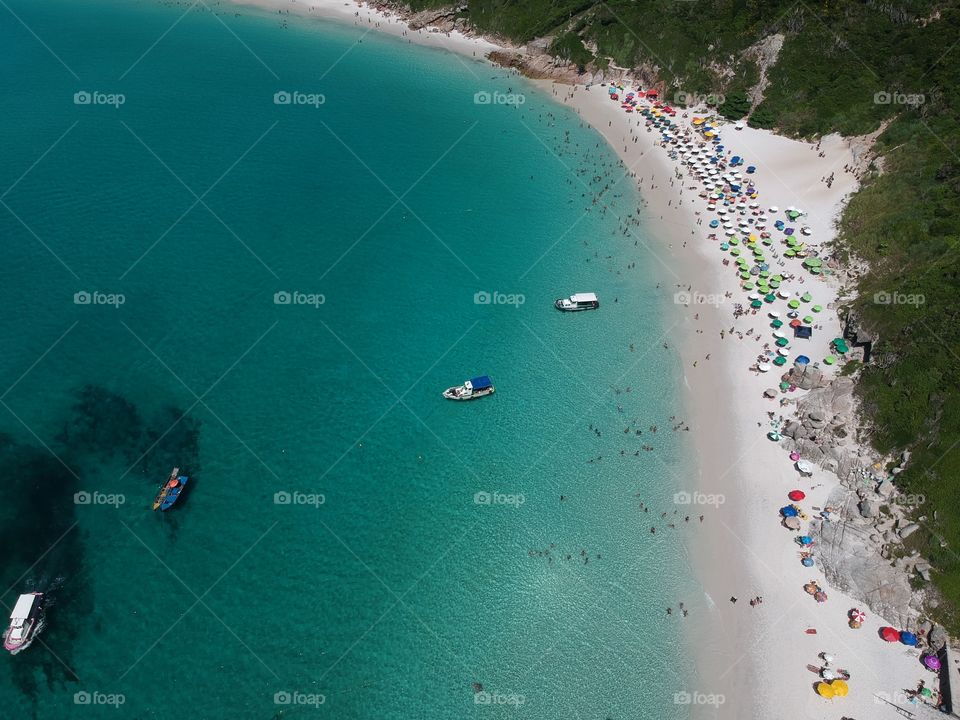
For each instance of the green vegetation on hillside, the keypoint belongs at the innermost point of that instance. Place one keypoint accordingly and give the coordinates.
(845, 66)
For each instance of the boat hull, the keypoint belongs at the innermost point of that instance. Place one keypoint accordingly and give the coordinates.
(567, 306)
(452, 394)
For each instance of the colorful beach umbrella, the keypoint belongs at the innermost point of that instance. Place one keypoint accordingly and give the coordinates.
(840, 688)
(932, 662)
(890, 634)
(797, 495)
(824, 690)
(908, 638)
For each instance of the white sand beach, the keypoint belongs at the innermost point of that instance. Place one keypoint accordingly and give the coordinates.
(744, 551)
(757, 657)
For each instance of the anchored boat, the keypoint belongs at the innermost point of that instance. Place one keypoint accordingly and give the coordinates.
(578, 301)
(471, 389)
(26, 621)
(170, 491)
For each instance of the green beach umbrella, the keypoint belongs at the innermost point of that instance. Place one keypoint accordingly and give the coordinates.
(791, 240)
(735, 251)
(748, 286)
(782, 342)
(774, 284)
(756, 304)
(734, 241)
(808, 320)
(770, 298)
(794, 304)
(724, 246)
(745, 275)
(830, 360)
(784, 386)
(777, 323)
(816, 308)
(812, 262)
(767, 241)
(764, 273)
(789, 253)
(815, 270)
(806, 297)
(780, 361)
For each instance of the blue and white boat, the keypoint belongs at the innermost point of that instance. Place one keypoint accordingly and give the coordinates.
(170, 491)
(471, 389)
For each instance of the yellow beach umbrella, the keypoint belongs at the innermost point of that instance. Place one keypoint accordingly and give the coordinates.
(840, 688)
(825, 691)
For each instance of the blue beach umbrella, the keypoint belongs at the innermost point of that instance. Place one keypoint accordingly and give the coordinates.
(802, 360)
(908, 638)
(789, 511)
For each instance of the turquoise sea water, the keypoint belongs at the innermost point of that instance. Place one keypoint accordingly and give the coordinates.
(425, 545)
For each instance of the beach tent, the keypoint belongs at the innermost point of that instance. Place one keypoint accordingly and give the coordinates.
(802, 331)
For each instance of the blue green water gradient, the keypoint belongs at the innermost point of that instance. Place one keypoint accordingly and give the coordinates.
(348, 535)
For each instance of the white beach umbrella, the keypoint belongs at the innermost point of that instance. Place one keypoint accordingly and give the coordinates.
(773, 209)
(774, 314)
(778, 334)
(783, 352)
(763, 367)
(783, 294)
(730, 232)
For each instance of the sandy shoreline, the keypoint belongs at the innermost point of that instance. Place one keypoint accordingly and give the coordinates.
(742, 549)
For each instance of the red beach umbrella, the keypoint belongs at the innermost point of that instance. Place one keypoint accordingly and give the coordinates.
(796, 495)
(890, 634)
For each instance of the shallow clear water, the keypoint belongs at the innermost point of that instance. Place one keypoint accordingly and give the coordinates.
(397, 200)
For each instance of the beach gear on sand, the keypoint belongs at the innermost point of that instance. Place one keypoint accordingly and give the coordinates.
(824, 690)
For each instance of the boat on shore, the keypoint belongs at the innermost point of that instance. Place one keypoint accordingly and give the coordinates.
(471, 390)
(170, 491)
(577, 302)
(26, 621)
